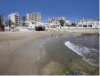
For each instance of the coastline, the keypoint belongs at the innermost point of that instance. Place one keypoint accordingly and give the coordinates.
(22, 34)
(17, 50)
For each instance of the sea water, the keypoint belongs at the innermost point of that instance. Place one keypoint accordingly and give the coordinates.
(85, 46)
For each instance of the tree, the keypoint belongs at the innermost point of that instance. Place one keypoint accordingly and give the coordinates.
(10, 22)
(23, 20)
(1, 20)
(62, 22)
(2, 23)
(6, 22)
(73, 24)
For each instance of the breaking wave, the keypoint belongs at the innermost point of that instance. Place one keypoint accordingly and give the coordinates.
(90, 55)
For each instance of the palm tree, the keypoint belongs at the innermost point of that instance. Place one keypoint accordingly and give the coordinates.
(62, 22)
(10, 22)
(23, 20)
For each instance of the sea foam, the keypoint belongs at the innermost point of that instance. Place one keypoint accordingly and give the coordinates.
(90, 55)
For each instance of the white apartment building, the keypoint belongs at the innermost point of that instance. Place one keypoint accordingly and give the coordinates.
(55, 21)
(34, 17)
(50, 20)
(15, 18)
(88, 23)
(67, 22)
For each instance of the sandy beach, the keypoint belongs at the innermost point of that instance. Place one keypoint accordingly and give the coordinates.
(21, 53)
(11, 46)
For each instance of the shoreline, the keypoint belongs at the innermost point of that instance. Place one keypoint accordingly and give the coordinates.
(16, 51)
(54, 50)
(4, 35)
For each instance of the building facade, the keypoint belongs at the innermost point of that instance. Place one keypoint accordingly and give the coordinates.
(51, 20)
(56, 21)
(34, 17)
(88, 23)
(15, 18)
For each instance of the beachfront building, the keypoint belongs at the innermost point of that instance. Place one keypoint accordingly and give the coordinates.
(15, 18)
(88, 23)
(68, 23)
(56, 21)
(50, 20)
(34, 17)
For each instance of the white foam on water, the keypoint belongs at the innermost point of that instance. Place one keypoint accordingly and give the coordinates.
(77, 49)
(81, 50)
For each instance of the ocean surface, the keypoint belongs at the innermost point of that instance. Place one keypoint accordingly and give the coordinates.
(87, 46)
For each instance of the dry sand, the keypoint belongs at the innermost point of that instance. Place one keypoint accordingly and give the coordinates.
(14, 55)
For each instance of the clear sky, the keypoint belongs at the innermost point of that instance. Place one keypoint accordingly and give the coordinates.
(72, 9)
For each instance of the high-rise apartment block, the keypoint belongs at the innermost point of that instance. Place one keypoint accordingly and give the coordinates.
(15, 18)
(34, 17)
